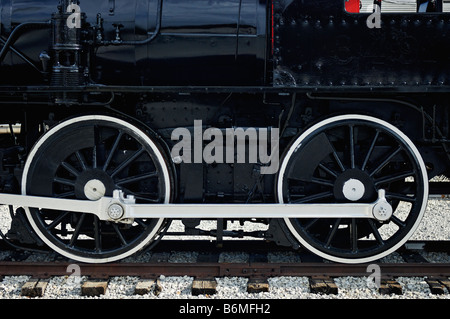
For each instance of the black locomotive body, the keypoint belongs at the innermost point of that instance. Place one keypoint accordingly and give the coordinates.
(248, 103)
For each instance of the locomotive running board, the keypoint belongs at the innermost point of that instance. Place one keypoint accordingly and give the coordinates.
(124, 209)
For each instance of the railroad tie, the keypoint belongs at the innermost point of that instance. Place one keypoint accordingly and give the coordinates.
(34, 288)
(446, 283)
(438, 285)
(145, 286)
(94, 287)
(204, 287)
(323, 285)
(255, 286)
(390, 286)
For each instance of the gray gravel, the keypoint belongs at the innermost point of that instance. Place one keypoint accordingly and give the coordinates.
(227, 288)
(436, 226)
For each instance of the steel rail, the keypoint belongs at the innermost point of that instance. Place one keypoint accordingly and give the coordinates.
(209, 267)
(211, 270)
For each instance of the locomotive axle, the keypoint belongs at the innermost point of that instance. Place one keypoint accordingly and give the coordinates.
(124, 209)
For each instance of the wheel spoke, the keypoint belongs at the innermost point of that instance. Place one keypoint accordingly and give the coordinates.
(338, 161)
(311, 223)
(64, 181)
(386, 161)
(113, 150)
(369, 153)
(327, 170)
(70, 169)
(57, 221)
(397, 221)
(97, 235)
(145, 198)
(354, 236)
(141, 223)
(333, 232)
(322, 182)
(313, 197)
(335, 155)
(77, 230)
(402, 197)
(70, 194)
(81, 159)
(375, 231)
(96, 145)
(119, 235)
(94, 157)
(394, 178)
(134, 179)
(128, 161)
(352, 146)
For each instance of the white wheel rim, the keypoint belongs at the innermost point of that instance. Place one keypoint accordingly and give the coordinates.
(145, 138)
(298, 143)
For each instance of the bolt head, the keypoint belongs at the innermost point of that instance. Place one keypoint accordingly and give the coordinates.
(382, 211)
(177, 160)
(115, 211)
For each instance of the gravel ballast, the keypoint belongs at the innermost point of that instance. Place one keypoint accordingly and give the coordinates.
(435, 226)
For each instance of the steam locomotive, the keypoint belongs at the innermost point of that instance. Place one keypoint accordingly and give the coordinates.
(327, 121)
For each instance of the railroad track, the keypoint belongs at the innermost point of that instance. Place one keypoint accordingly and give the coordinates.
(255, 264)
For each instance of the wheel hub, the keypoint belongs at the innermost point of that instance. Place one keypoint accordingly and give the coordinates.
(93, 184)
(94, 189)
(354, 185)
(353, 190)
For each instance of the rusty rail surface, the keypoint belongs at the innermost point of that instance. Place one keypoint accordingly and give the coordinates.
(211, 267)
(209, 270)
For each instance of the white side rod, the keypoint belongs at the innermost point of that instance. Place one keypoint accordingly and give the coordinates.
(118, 208)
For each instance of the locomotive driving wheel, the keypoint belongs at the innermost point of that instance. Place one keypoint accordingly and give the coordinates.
(86, 158)
(347, 159)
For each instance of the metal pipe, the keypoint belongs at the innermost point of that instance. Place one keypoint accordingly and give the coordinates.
(12, 37)
(149, 39)
(22, 56)
(6, 129)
